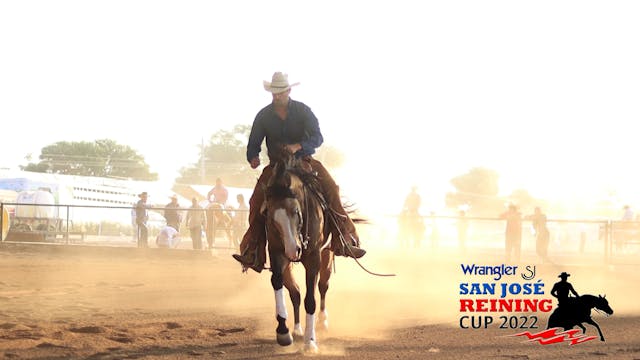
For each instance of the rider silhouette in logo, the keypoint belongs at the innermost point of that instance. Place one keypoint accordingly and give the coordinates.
(574, 311)
(562, 288)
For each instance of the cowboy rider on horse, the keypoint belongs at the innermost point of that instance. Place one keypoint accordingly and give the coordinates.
(292, 123)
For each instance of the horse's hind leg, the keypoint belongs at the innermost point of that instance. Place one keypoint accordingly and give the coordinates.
(294, 294)
(326, 261)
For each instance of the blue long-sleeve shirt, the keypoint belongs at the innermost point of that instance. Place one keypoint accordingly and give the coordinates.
(301, 126)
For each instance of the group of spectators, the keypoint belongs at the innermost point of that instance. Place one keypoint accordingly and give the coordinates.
(202, 220)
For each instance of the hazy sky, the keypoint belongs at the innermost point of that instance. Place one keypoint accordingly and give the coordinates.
(545, 92)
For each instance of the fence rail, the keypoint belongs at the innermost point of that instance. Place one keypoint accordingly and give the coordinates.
(608, 241)
(113, 225)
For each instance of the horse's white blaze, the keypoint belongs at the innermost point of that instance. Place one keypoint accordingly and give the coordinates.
(310, 329)
(290, 246)
(281, 306)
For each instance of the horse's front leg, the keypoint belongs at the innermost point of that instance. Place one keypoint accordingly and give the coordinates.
(294, 294)
(278, 263)
(312, 266)
(590, 321)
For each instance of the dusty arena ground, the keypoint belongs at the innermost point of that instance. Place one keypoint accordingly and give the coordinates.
(73, 302)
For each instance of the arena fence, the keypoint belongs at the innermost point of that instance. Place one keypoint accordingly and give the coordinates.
(112, 225)
(601, 241)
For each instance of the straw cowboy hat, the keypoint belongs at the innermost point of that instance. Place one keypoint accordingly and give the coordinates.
(279, 83)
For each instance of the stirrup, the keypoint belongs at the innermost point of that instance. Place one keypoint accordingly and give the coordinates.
(349, 250)
(350, 247)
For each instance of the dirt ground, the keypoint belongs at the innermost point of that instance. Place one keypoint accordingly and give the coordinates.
(75, 302)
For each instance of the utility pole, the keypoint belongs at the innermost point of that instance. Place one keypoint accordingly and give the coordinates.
(202, 171)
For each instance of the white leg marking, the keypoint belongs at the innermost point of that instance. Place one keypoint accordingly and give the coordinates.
(297, 330)
(290, 246)
(310, 328)
(323, 319)
(310, 334)
(281, 306)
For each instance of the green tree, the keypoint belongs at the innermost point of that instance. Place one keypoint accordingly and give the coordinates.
(99, 158)
(478, 189)
(224, 156)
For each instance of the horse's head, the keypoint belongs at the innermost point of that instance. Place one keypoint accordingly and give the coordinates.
(601, 303)
(283, 211)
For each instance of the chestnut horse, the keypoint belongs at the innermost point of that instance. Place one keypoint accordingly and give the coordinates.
(296, 231)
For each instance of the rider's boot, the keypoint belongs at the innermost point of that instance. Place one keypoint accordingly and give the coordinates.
(252, 255)
(345, 242)
(344, 237)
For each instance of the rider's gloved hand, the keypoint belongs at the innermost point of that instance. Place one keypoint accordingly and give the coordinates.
(255, 162)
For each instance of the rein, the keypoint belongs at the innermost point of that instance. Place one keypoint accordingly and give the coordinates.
(332, 215)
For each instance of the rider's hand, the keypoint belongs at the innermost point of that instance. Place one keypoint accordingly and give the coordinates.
(293, 148)
(255, 162)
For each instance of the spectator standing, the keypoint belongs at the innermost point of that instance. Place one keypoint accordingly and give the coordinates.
(240, 220)
(171, 214)
(513, 232)
(539, 224)
(196, 221)
(142, 215)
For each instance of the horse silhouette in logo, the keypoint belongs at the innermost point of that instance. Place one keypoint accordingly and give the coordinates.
(573, 311)
(577, 311)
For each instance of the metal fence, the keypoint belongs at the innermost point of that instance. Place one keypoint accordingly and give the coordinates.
(575, 240)
(611, 242)
(113, 225)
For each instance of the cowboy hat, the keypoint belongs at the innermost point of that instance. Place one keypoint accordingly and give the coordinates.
(564, 275)
(279, 83)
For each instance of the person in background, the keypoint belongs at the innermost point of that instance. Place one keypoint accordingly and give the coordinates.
(134, 224)
(513, 232)
(218, 194)
(196, 221)
(240, 221)
(539, 224)
(171, 214)
(142, 215)
(168, 238)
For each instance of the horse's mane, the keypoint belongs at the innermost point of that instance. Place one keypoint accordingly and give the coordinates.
(279, 186)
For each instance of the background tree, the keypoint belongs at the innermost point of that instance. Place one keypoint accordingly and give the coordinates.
(225, 157)
(477, 189)
(99, 158)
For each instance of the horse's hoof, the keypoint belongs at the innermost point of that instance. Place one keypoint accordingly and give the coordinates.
(311, 347)
(323, 320)
(297, 331)
(284, 339)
